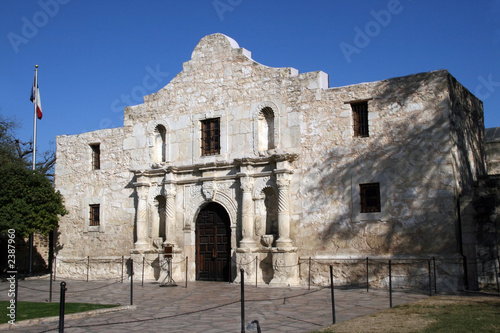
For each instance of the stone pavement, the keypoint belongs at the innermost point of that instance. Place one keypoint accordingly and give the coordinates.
(201, 307)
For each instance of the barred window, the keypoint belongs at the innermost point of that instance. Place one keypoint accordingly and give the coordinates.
(94, 215)
(210, 136)
(370, 197)
(360, 117)
(96, 156)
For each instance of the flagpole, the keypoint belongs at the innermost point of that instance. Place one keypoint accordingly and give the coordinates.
(34, 119)
(30, 270)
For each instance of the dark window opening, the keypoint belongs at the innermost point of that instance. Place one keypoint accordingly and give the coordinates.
(94, 215)
(370, 197)
(96, 156)
(210, 136)
(360, 116)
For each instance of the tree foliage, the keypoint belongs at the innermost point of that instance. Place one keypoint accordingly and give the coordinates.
(28, 200)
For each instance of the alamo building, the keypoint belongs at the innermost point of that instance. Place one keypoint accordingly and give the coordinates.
(236, 165)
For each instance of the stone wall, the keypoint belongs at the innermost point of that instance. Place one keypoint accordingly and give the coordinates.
(81, 186)
(424, 149)
(493, 150)
(409, 118)
(487, 231)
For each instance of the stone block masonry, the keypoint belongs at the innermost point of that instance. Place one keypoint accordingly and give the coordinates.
(283, 165)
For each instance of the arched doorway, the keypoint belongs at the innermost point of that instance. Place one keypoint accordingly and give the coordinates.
(213, 243)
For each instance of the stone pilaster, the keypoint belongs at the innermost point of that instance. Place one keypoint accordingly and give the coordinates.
(283, 182)
(247, 208)
(142, 217)
(170, 191)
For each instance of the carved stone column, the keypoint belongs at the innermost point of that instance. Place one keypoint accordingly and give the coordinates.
(142, 217)
(247, 208)
(283, 182)
(170, 215)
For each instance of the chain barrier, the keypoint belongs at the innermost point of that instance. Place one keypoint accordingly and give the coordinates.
(352, 273)
(379, 267)
(148, 319)
(244, 264)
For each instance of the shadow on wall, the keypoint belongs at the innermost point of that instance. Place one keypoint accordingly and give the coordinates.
(413, 158)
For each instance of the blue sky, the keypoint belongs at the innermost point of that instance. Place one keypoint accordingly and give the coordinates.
(96, 57)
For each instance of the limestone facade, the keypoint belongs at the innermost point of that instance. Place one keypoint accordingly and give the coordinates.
(291, 172)
(493, 150)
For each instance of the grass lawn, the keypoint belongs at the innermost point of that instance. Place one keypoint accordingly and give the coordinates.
(434, 314)
(30, 310)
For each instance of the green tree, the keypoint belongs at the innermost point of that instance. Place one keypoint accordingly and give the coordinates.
(28, 200)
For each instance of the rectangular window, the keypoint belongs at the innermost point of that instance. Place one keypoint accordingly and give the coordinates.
(96, 156)
(94, 215)
(370, 197)
(360, 117)
(210, 136)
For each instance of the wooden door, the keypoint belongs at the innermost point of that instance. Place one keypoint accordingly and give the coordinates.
(213, 244)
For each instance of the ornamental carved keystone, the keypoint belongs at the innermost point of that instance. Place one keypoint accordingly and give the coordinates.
(209, 189)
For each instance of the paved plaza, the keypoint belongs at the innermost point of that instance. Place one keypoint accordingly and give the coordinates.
(201, 307)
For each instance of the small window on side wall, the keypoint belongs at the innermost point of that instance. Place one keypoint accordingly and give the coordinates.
(360, 119)
(95, 219)
(370, 197)
(96, 156)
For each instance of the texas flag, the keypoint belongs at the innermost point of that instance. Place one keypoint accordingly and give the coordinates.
(35, 98)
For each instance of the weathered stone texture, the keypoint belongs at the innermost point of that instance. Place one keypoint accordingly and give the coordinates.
(493, 150)
(80, 186)
(294, 178)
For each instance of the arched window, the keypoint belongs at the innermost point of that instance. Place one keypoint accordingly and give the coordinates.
(160, 146)
(266, 129)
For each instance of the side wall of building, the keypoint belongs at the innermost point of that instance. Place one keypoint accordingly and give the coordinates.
(493, 157)
(408, 152)
(81, 186)
(469, 163)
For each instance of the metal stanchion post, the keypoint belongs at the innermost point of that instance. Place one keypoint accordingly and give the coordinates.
(88, 267)
(309, 282)
(496, 275)
(186, 282)
(131, 281)
(430, 279)
(367, 276)
(55, 267)
(332, 294)
(435, 275)
(256, 270)
(242, 278)
(122, 267)
(390, 283)
(142, 283)
(61, 306)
